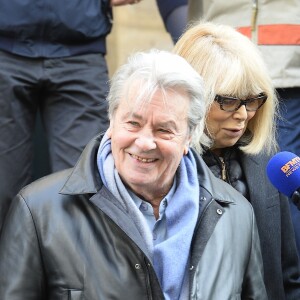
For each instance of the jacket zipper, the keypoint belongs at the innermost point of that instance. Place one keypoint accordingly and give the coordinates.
(254, 15)
(253, 20)
(148, 280)
(223, 169)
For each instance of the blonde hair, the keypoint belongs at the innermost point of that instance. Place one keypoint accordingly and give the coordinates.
(231, 65)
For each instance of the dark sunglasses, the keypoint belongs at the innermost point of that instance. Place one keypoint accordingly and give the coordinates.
(232, 104)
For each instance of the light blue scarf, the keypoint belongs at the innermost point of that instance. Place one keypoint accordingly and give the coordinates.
(170, 257)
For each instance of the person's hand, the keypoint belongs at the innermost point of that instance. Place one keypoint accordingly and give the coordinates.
(123, 2)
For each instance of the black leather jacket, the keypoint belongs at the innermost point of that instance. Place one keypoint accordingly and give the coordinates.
(67, 237)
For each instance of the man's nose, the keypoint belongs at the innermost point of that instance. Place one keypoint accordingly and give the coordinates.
(145, 141)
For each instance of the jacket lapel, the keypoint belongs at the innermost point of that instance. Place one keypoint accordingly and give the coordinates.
(256, 178)
(85, 179)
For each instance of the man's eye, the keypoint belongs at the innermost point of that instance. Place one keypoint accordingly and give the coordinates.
(164, 130)
(133, 123)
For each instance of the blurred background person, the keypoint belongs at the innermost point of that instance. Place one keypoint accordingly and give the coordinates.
(52, 61)
(275, 27)
(240, 137)
(174, 14)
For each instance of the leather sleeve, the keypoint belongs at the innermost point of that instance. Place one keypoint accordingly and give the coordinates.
(21, 271)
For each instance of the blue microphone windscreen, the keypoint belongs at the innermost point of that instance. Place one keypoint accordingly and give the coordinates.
(283, 171)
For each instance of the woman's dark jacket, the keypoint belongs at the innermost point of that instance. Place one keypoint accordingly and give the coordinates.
(54, 28)
(247, 173)
(67, 237)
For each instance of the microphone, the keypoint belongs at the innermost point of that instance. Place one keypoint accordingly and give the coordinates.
(283, 170)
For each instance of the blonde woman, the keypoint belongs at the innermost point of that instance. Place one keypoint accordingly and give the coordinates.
(240, 137)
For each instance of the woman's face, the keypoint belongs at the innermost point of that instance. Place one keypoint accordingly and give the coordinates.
(226, 128)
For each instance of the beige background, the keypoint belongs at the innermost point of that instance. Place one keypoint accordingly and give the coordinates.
(136, 27)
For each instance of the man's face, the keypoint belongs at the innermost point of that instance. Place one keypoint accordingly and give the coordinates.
(149, 141)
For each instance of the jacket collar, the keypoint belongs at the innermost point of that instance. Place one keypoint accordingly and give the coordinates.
(84, 177)
(256, 164)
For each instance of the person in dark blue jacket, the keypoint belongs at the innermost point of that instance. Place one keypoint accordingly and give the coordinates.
(52, 60)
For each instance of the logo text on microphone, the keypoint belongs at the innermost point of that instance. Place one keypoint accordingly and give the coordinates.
(291, 166)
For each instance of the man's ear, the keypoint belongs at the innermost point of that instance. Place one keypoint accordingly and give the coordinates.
(186, 150)
(186, 147)
(109, 131)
